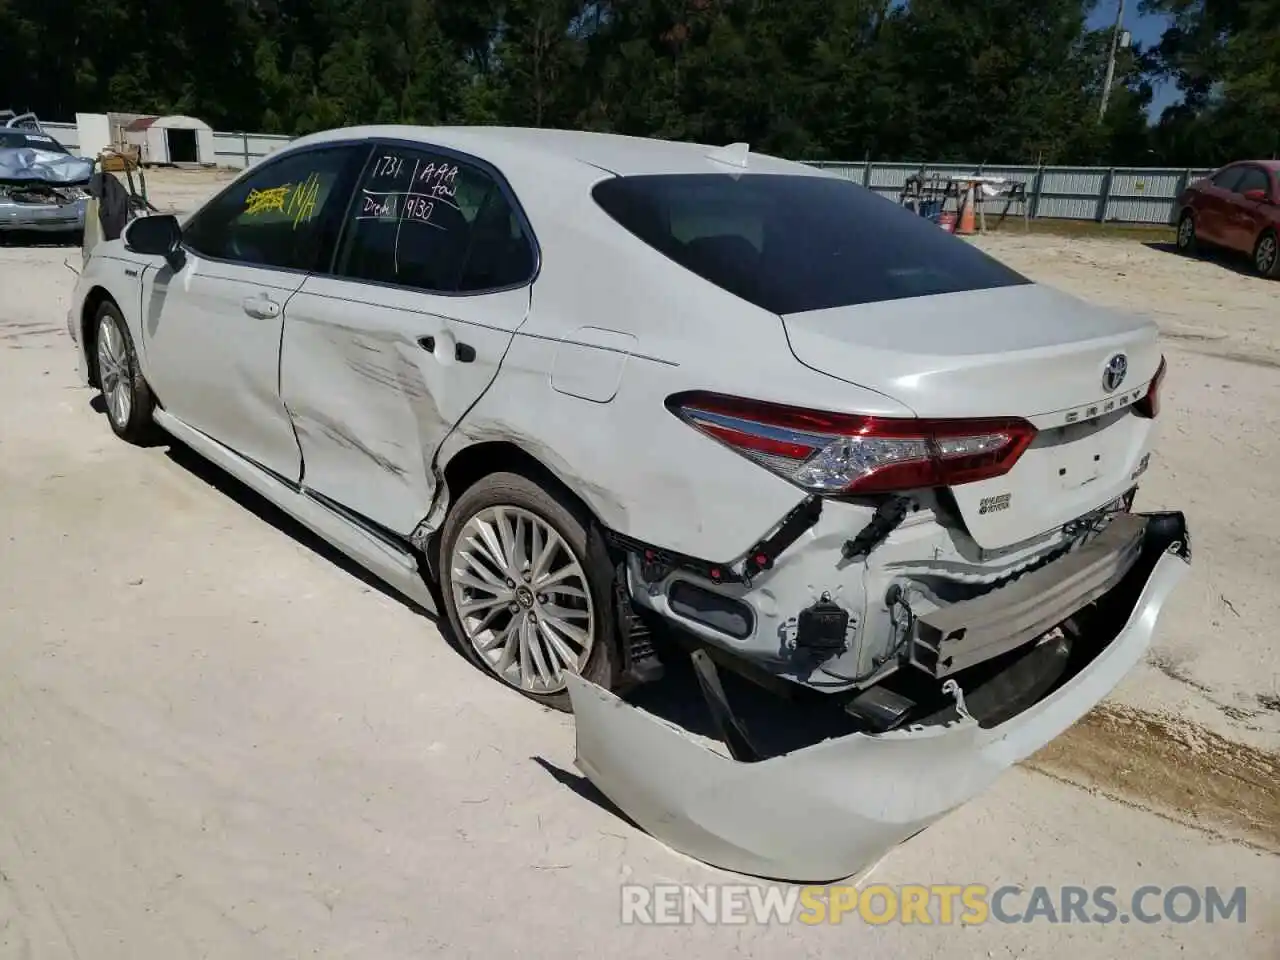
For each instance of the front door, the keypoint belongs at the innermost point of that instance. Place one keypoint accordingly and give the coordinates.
(211, 330)
(384, 357)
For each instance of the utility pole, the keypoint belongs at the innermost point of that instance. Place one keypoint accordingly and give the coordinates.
(1111, 60)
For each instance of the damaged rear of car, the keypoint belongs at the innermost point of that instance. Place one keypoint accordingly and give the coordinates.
(963, 575)
(41, 184)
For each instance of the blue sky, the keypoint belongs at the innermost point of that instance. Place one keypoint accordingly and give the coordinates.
(1146, 30)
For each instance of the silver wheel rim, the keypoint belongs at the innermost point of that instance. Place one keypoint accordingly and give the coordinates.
(1266, 258)
(113, 372)
(522, 598)
(1184, 231)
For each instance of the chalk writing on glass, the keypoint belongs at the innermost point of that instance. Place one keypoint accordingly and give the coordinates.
(303, 200)
(388, 167)
(418, 207)
(438, 180)
(265, 201)
(376, 206)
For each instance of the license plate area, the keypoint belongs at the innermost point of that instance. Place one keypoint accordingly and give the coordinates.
(1084, 452)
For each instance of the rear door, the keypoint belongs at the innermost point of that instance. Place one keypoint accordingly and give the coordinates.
(1214, 204)
(211, 330)
(1246, 217)
(388, 350)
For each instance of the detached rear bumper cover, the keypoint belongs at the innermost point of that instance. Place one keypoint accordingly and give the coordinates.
(826, 811)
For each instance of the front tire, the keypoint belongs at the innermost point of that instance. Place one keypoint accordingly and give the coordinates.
(1266, 255)
(1187, 233)
(125, 392)
(528, 588)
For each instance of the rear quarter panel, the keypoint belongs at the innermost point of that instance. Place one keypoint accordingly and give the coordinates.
(643, 471)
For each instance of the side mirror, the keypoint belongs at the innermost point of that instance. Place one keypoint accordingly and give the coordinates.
(159, 235)
(1257, 195)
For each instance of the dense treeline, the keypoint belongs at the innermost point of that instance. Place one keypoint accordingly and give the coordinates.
(978, 80)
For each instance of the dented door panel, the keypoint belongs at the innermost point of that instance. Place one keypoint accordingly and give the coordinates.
(374, 378)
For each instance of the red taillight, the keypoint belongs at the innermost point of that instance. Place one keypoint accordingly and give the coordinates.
(1149, 406)
(840, 453)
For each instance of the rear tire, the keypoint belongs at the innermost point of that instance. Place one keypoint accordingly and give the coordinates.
(1187, 234)
(528, 587)
(125, 392)
(1266, 255)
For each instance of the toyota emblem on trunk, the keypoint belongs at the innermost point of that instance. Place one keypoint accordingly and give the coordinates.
(1113, 374)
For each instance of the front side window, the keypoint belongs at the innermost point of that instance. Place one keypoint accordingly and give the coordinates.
(426, 221)
(1254, 178)
(284, 215)
(1228, 178)
(792, 243)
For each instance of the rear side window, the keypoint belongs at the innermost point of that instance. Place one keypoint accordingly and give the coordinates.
(284, 215)
(791, 244)
(426, 221)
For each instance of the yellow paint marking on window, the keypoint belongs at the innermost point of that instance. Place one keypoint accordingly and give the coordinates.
(302, 204)
(264, 201)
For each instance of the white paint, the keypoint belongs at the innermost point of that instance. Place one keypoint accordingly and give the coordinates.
(93, 133)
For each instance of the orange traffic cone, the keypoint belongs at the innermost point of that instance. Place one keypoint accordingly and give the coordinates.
(966, 224)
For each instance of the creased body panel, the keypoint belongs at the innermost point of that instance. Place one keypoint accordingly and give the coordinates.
(373, 383)
(643, 471)
(824, 812)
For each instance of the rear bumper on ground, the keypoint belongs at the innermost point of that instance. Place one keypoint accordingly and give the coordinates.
(825, 811)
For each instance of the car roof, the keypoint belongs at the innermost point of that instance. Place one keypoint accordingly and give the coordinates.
(1272, 165)
(609, 152)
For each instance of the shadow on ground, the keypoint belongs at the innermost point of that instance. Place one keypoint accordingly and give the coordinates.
(1226, 259)
(35, 238)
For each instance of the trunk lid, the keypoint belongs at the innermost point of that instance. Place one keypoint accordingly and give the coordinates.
(1017, 351)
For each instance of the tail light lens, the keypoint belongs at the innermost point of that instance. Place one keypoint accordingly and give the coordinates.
(1149, 406)
(838, 453)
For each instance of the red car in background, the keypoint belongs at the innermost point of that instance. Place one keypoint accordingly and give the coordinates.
(1236, 207)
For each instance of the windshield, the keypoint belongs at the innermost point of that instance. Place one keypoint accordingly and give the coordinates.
(794, 243)
(14, 138)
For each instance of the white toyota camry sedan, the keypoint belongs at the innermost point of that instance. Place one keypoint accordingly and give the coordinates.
(573, 386)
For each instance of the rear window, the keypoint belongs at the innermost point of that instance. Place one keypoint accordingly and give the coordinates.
(791, 244)
(14, 139)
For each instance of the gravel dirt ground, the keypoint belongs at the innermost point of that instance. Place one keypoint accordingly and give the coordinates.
(218, 740)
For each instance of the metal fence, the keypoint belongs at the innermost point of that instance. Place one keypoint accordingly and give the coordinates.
(1106, 194)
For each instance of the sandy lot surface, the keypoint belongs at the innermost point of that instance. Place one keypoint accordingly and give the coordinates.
(216, 740)
(1216, 659)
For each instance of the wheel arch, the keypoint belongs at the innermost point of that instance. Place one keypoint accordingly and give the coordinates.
(93, 301)
(477, 460)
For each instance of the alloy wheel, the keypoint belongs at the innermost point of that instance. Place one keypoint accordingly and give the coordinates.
(1265, 257)
(1186, 230)
(113, 372)
(522, 598)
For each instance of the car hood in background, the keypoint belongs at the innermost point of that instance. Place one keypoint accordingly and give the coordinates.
(27, 165)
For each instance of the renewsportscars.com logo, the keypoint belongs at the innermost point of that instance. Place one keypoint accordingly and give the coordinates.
(940, 904)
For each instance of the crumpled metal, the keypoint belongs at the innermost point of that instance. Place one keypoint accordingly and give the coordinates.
(29, 165)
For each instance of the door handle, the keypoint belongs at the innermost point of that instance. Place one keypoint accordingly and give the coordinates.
(262, 307)
(462, 352)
